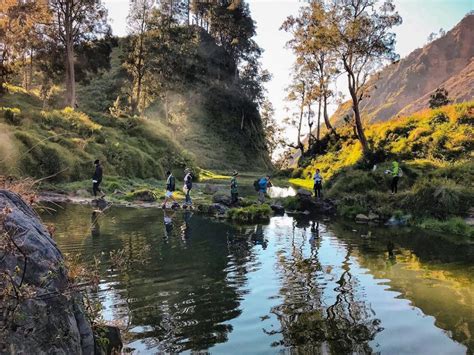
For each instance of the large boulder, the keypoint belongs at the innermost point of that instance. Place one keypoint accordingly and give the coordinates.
(222, 199)
(320, 206)
(43, 315)
(218, 209)
(144, 195)
(277, 208)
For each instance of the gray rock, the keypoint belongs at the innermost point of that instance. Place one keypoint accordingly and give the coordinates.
(222, 199)
(145, 196)
(278, 209)
(210, 189)
(303, 192)
(362, 218)
(50, 320)
(218, 208)
(83, 193)
(320, 206)
(373, 217)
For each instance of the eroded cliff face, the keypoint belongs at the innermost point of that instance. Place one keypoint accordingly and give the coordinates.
(39, 312)
(404, 87)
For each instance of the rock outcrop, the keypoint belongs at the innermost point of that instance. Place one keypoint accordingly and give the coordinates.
(40, 314)
(320, 206)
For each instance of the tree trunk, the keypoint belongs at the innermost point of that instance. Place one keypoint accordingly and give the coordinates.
(300, 144)
(355, 108)
(70, 75)
(318, 128)
(242, 121)
(166, 106)
(326, 116)
(30, 79)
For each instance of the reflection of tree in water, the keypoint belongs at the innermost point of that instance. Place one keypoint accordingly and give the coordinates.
(188, 291)
(307, 324)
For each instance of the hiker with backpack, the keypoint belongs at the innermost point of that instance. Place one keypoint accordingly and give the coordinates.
(188, 185)
(170, 188)
(318, 184)
(261, 186)
(234, 192)
(396, 173)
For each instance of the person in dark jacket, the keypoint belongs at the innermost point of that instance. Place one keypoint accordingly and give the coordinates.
(188, 185)
(97, 179)
(170, 188)
(234, 190)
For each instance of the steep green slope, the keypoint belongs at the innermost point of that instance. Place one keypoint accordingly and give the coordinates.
(65, 142)
(204, 121)
(435, 149)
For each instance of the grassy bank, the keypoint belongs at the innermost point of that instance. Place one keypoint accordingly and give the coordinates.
(435, 151)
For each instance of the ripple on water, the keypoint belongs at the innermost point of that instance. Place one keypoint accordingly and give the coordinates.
(203, 285)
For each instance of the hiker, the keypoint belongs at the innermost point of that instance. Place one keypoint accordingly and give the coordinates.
(396, 173)
(318, 184)
(188, 185)
(170, 188)
(234, 192)
(97, 179)
(168, 222)
(262, 186)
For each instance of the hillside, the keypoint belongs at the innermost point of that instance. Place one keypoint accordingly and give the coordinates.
(435, 149)
(198, 124)
(404, 87)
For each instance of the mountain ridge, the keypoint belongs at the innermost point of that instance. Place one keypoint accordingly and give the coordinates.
(404, 87)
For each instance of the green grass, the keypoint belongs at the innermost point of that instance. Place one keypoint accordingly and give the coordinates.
(454, 225)
(251, 214)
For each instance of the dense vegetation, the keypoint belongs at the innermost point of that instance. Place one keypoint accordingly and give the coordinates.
(182, 89)
(435, 150)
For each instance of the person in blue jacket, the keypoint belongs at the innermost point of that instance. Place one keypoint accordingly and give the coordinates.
(263, 184)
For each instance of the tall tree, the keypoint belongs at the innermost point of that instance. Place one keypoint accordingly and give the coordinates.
(363, 39)
(22, 26)
(273, 132)
(138, 21)
(312, 43)
(73, 22)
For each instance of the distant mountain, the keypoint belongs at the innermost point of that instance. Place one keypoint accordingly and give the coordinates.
(404, 87)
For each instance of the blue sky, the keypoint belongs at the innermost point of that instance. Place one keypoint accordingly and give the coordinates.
(420, 18)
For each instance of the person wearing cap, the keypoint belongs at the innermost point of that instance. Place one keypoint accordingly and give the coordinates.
(234, 192)
(188, 185)
(97, 179)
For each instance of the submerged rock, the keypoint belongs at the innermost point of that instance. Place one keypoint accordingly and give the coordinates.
(48, 316)
(398, 221)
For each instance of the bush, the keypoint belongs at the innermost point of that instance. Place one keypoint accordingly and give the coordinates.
(352, 181)
(12, 116)
(439, 198)
(291, 203)
(453, 225)
(251, 214)
(70, 120)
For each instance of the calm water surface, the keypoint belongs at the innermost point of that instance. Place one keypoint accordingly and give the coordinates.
(189, 283)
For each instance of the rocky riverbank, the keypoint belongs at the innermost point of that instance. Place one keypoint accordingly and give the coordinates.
(41, 307)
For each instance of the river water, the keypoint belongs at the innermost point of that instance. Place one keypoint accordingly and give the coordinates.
(189, 283)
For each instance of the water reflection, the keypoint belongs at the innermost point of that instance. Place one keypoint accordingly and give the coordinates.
(299, 285)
